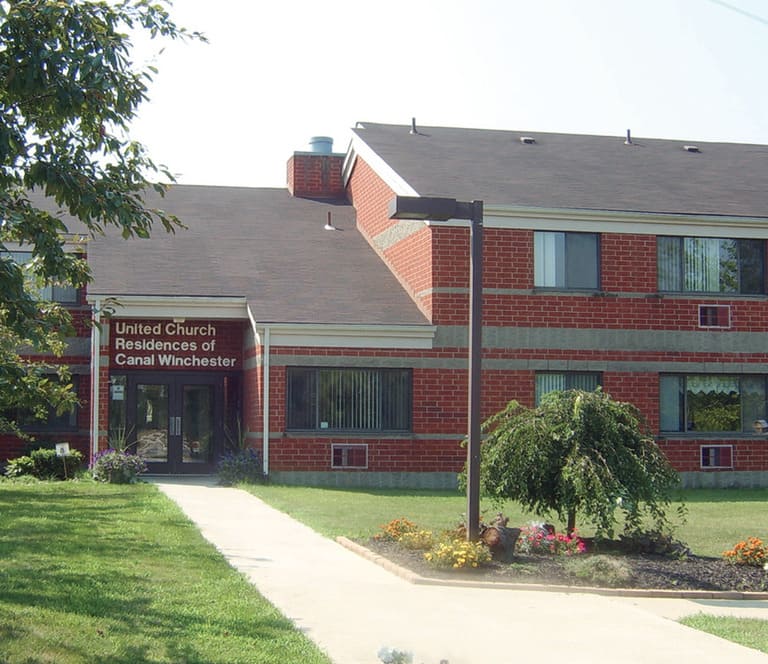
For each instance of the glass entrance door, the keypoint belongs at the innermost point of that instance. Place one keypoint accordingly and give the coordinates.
(176, 421)
(196, 426)
(152, 429)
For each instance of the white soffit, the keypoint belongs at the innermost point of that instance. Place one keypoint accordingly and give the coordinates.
(610, 221)
(351, 336)
(145, 306)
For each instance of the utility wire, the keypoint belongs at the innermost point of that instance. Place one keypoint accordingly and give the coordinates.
(738, 10)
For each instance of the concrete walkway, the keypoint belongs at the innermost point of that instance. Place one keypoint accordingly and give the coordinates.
(352, 607)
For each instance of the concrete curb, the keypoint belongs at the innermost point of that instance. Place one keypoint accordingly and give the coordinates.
(413, 577)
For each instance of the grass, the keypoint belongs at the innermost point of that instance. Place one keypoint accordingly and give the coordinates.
(717, 519)
(749, 632)
(117, 575)
(720, 518)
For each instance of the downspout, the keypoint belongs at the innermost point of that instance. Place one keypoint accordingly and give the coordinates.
(265, 383)
(265, 416)
(95, 377)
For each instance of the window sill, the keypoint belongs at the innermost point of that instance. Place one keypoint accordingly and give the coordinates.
(590, 292)
(328, 433)
(703, 435)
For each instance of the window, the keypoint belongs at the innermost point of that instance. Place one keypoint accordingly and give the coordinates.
(66, 421)
(349, 456)
(565, 260)
(711, 403)
(52, 293)
(551, 382)
(710, 265)
(349, 399)
(717, 456)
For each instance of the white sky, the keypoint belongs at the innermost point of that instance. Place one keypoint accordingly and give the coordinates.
(277, 73)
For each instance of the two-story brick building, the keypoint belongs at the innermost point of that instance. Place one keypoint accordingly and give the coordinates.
(335, 338)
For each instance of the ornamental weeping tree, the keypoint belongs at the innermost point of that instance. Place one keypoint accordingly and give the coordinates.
(68, 91)
(578, 452)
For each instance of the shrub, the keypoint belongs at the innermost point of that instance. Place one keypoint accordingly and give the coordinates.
(600, 569)
(45, 464)
(395, 529)
(243, 466)
(541, 539)
(752, 551)
(458, 554)
(654, 542)
(116, 467)
(417, 540)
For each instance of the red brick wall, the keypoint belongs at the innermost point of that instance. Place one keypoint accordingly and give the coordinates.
(410, 260)
(315, 175)
(438, 258)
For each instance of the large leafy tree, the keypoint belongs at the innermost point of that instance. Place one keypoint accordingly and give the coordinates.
(68, 91)
(578, 452)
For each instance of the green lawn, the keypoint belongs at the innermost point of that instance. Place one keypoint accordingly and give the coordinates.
(117, 575)
(717, 519)
(750, 632)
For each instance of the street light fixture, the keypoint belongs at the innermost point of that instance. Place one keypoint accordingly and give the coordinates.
(442, 209)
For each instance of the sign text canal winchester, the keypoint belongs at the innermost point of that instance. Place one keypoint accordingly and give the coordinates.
(171, 345)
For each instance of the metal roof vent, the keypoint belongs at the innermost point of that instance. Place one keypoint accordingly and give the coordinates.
(628, 141)
(527, 140)
(691, 148)
(321, 144)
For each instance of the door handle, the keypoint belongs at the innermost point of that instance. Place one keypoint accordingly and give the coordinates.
(174, 426)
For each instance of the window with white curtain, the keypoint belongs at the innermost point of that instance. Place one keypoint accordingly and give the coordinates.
(348, 399)
(547, 382)
(711, 403)
(565, 260)
(710, 265)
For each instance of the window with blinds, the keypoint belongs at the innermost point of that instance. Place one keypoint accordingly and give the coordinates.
(553, 382)
(710, 265)
(348, 399)
(565, 260)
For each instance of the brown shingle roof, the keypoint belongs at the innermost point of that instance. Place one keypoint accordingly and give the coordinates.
(264, 245)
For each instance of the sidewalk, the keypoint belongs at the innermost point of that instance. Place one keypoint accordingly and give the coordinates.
(351, 607)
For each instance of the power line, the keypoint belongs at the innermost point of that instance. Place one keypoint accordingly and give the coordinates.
(743, 12)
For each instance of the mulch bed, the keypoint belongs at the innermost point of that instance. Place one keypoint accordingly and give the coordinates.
(648, 571)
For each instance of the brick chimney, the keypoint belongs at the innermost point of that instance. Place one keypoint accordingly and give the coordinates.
(317, 173)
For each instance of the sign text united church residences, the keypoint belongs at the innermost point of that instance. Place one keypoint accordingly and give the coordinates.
(171, 345)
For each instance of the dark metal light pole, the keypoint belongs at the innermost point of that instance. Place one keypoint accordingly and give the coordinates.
(442, 209)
